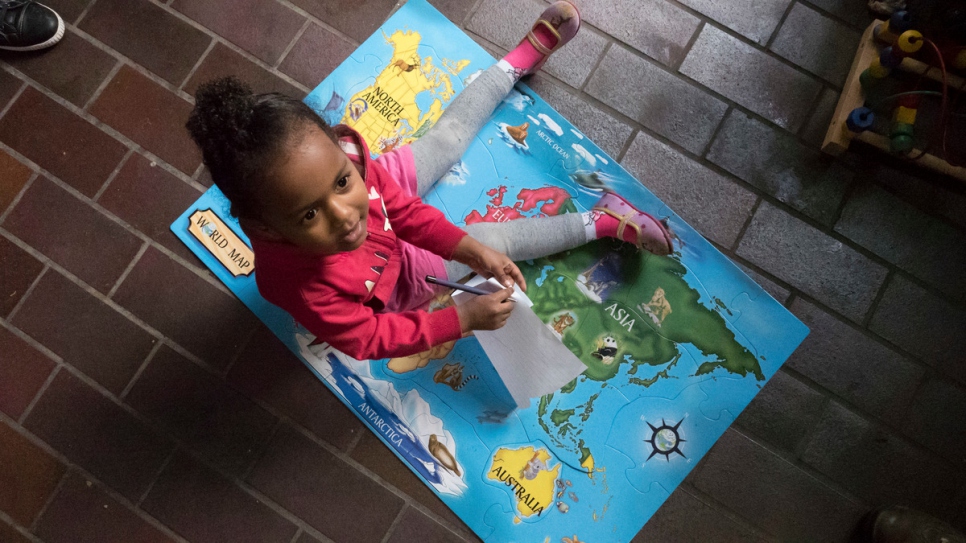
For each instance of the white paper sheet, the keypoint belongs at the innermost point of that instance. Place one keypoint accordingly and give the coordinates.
(527, 355)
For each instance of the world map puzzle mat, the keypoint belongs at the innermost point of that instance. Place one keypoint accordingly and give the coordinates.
(675, 347)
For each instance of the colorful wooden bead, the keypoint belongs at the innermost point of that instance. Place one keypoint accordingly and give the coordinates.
(910, 41)
(860, 119)
(889, 57)
(881, 32)
(900, 21)
(877, 70)
(904, 115)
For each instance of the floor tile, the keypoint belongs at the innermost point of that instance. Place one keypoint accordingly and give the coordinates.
(776, 291)
(775, 162)
(222, 61)
(817, 125)
(376, 457)
(23, 370)
(751, 78)
(317, 52)
(854, 366)
(812, 261)
(878, 466)
(935, 194)
(855, 13)
(61, 142)
(753, 19)
(9, 534)
(357, 23)
(454, 10)
(930, 328)
(817, 43)
(686, 518)
(15, 175)
(608, 132)
(98, 435)
(321, 489)
(774, 494)
(89, 245)
(934, 419)
(150, 115)
(783, 412)
(506, 23)
(264, 28)
(267, 371)
(29, 474)
(149, 198)
(926, 247)
(205, 507)
(73, 69)
(83, 511)
(659, 29)
(69, 10)
(9, 85)
(181, 312)
(415, 526)
(18, 272)
(715, 205)
(209, 417)
(667, 105)
(149, 35)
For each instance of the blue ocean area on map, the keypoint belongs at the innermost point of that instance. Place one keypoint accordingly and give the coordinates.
(674, 347)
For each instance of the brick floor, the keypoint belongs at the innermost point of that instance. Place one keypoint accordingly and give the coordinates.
(120, 421)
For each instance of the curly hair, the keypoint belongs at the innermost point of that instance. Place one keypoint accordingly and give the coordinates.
(242, 134)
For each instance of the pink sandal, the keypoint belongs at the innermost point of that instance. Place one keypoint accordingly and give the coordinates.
(561, 20)
(652, 234)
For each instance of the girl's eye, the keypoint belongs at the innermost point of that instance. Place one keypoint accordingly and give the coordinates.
(343, 182)
(310, 214)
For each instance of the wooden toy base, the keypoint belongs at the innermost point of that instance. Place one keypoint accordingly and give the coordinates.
(838, 137)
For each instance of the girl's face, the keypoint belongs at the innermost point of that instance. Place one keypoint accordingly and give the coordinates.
(317, 199)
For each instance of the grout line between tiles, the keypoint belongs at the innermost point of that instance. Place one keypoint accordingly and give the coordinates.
(127, 270)
(50, 499)
(21, 530)
(4, 213)
(27, 293)
(676, 66)
(746, 225)
(57, 360)
(83, 13)
(110, 178)
(118, 64)
(13, 99)
(137, 374)
(395, 522)
(200, 61)
(40, 392)
(779, 26)
(291, 44)
(714, 133)
(157, 475)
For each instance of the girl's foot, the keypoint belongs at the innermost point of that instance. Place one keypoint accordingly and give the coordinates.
(615, 217)
(556, 26)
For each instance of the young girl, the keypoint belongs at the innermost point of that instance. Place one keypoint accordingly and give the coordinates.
(343, 242)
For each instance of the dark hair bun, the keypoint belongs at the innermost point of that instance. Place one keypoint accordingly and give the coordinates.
(241, 133)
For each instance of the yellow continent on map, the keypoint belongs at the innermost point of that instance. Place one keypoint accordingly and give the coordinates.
(528, 475)
(386, 113)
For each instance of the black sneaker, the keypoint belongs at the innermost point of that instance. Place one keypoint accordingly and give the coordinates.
(28, 26)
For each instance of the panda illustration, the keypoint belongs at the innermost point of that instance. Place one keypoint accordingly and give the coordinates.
(606, 350)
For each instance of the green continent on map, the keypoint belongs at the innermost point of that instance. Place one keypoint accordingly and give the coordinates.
(386, 112)
(617, 309)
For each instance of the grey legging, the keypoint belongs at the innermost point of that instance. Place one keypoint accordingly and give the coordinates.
(443, 144)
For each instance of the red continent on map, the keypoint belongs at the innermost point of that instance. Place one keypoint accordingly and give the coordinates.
(527, 199)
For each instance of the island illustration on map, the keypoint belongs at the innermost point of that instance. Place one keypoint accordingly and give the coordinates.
(674, 347)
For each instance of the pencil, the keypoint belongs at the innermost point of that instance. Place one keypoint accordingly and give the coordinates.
(459, 286)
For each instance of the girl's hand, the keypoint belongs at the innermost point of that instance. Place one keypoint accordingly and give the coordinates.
(489, 263)
(485, 312)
